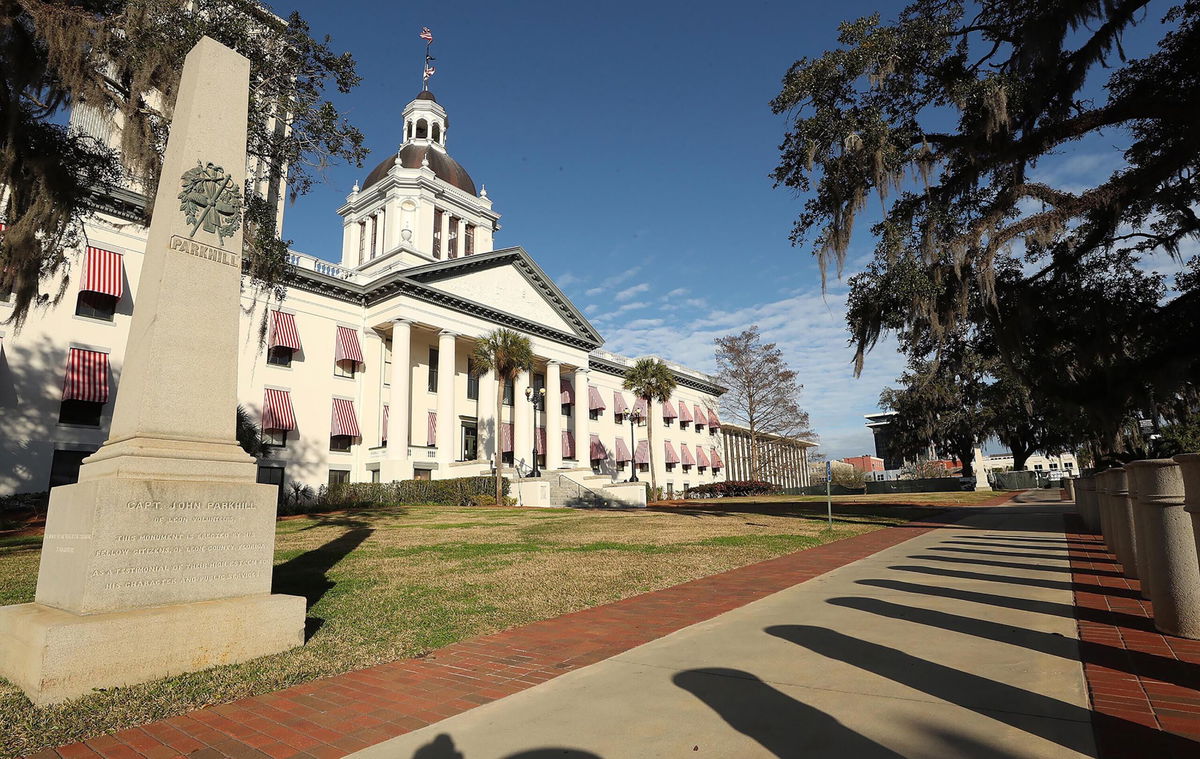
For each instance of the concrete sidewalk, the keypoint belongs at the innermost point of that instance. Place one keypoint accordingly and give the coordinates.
(959, 642)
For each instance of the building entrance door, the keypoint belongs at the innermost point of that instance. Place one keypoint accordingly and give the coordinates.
(470, 441)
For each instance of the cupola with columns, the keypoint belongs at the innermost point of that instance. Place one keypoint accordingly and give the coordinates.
(418, 205)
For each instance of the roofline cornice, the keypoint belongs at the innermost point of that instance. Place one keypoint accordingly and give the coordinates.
(619, 370)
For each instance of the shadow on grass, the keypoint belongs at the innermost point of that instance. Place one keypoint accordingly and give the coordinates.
(308, 574)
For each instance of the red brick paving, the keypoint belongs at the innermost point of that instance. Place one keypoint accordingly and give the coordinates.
(1134, 673)
(335, 716)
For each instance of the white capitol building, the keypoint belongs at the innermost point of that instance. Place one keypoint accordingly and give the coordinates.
(366, 374)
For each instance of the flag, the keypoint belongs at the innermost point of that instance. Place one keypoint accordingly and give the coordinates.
(429, 58)
(426, 34)
(429, 71)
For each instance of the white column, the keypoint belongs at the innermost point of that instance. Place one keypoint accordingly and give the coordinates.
(397, 464)
(553, 415)
(447, 437)
(489, 425)
(522, 423)
(583, 438)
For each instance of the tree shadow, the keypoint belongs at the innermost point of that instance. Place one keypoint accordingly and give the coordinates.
(1019, 708)
(779, 723)
(1036, 547)
(442, 747)
(1036, 582)
(1011, 565)
(308, 574)
(1060, 555)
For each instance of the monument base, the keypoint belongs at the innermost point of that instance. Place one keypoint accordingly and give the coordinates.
(54, 655)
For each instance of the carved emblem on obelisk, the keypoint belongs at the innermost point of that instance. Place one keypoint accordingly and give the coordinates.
(212, 199)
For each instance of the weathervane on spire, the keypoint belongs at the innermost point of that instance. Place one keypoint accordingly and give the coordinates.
(428, 70)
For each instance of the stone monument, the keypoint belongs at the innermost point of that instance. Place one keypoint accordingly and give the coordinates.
(158, 561)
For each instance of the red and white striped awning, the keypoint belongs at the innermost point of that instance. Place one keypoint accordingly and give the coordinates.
(640, 409)
(668, 410)
(539, 441)
(701, 457)
(568, 390)
(283, 331)
(716, 460)
(344, 420)
(619, 407)
(597, 448)
(701, 417)
(684, 414)
(595, 400)
(713, 421)
(431, 428)
(506, 437)
(102, 272)
(347, 348)
(621, 454)
(568, 444)
(383, 434)
(688, 459)
(642, 455)
(277, 413)
(87, 376)
(671, 456)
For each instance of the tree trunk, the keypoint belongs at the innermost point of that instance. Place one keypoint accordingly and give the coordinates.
(650, 446)
(967, 457)
(1020, 457)
(499, 454)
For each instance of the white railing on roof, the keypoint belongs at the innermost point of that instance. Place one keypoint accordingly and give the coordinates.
(321, 266)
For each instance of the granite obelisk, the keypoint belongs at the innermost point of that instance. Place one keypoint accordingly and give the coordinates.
(160, 556)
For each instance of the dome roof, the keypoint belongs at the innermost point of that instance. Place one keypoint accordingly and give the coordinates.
(425, 95)
(446, 168)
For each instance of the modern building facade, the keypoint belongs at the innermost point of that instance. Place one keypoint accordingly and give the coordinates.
(365, 373)
(865, 463)
(783, 460)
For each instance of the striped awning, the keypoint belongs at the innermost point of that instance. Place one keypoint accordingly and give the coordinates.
(87, 376)
(684, 414)
(597, 448)
(716, 460)
(621, 454)
(283, 331)
(701, 457)
(640, 409)
(431, 428)
(595, 400)
(277, 413)
(383, 435)
(506, 437)
(642, 455)
(568, 444)
(344, 420)
(668, 410)
(568, 390)
(671, 456)
(701, 417)
(347, 348)
(619, 407)
(539, 441)
(102, 272)
(688, 459)
(713, 421)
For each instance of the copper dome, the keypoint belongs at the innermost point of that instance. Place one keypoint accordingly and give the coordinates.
(446, 168)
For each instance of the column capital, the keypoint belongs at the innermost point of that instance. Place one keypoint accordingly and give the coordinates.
(401, 320)
(447, 333)
(553, 362)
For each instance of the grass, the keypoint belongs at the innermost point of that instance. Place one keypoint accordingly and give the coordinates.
(384, 584)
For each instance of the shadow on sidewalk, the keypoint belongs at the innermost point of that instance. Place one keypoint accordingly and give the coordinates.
(1034, 581)
(1010, 565)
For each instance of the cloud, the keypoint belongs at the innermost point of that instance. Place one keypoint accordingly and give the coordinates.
(676, 293)
(594, 291)
(644, 323)
(567, 279)
(630, 292)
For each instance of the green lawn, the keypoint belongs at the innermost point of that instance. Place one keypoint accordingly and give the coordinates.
(398, 582)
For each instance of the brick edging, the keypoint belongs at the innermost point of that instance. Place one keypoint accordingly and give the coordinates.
(337, 715)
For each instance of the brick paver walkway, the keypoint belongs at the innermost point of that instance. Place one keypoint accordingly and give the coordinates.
(1133, 672)
(337, 715)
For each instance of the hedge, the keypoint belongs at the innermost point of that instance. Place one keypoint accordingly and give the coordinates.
(731, 489)
(459, 491)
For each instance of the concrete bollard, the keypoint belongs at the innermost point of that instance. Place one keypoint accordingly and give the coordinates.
(1118, 491)
(1189, 466)
(1069, 489)
(1101, 480)
(1171, 547)
(1089, 510)
(1141, 518)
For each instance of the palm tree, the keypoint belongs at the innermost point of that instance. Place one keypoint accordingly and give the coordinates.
(248, 435)
(506, 353)
(651, 380)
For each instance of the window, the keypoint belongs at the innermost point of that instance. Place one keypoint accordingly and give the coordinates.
(670, 490)
(433, 370)
(539, 382)
(670, 467)
(472, 380)
(1053, 465)
(509, 392)
(345, 368)
(1068, 465)
(275, 438)
(469, 240)
(86, 413)
(96, 306)
(437, 233)
(374, 233)
(64, 467)
(339, 476)
(280, 356)
(452, 238)
(362, 239)
(387, 363)
(340, 443)
(1037, 467)
(566, 409)
(374, 475)
(594, 414)
(667, 421)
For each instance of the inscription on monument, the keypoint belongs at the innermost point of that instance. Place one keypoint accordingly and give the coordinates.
(200, 250)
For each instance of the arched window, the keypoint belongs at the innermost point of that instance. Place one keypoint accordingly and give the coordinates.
(408, 129)
(422, 129)
(437, 132)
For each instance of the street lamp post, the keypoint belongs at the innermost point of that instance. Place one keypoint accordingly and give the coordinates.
(536, 400)
(634, 416)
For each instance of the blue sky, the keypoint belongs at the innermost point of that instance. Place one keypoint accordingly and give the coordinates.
(628, 147)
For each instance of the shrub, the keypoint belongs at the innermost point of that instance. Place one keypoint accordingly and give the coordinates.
(731, 489)
(459, 491)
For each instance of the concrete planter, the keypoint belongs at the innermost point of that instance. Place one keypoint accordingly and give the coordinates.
(1089, 510)
(1189, 465)
(1103, 507)
(1170, 547)
(1118, 491)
